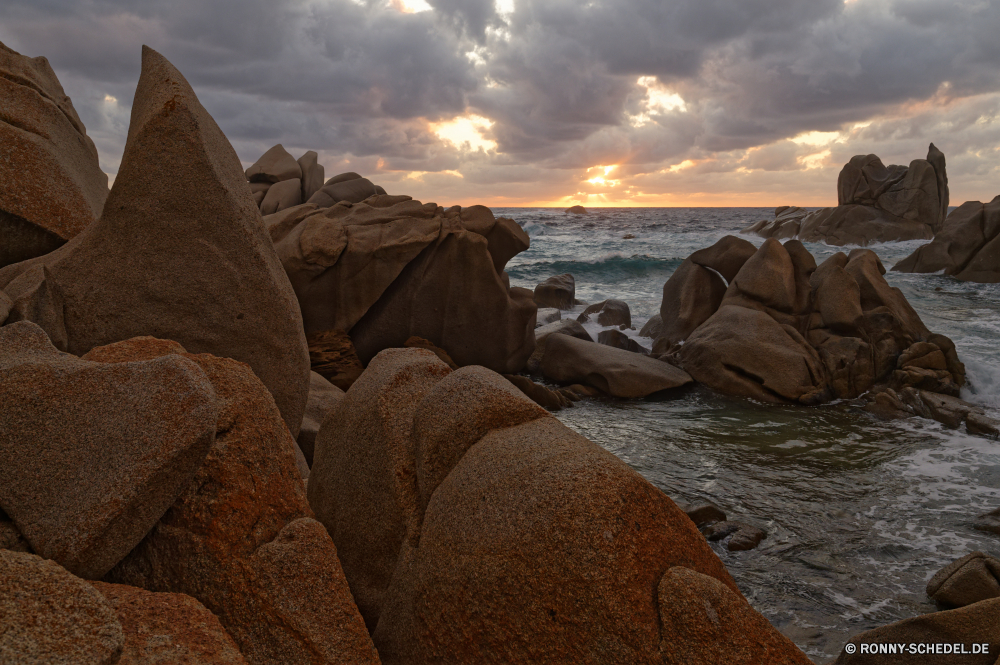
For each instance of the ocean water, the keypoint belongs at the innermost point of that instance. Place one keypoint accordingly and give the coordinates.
(859, 513)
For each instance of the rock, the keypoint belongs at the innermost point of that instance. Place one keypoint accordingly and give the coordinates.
(275, 165)
(392, 268)
(703, 514)
(53, 185)
(136, 448)
(539, 394)
(875, 204)
(312, 174)
(609, 313)
(50, 616)
(421, 343)
(576, 210)
(989, 522)
(354, 190)
(558, 292)
(562, 327)
(705, 622)
(489, 563)
(725, 257)
(241, 538)
(180, 253)
(281, 195)
(968, 580)
(367, 447)
(324, 397)
(547, 315)
(967, 247)
(977, 624)
(691, 295)
(168, 628)
(10, 535)
(332, 356)
(343, 177)
(978, 423)
(653, 327)
(620, 340)
(614, 371)
(741, 536)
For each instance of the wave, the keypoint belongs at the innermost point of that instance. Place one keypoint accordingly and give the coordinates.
(608, 268)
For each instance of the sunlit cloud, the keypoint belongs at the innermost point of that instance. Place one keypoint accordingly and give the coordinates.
(815, 161)
(466, 132)
(602, 177)
(410, 6)
(817, 138)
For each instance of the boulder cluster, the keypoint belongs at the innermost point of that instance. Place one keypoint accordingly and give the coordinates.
(875, 203)
(967, 246)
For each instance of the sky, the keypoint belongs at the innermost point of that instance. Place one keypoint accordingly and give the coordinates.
(556, 102)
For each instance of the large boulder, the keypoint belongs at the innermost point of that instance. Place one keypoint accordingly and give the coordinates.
(608, 313)
(275, 165)
(353, 190)
(558, 291)
(324, 397)
(965, 581)
(92, 455)
(49, 616)
(241, 538)
(180, 253)
(53, 185)
(967, 247)
(562, 327)
(312, 174)
(164, 628)
(392, 268)
(875, 203)
(616, 372)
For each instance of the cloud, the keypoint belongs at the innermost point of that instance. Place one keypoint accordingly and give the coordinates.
(518, 100)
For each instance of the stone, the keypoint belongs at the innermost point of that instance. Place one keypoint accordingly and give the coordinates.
(725, 257)
(616, 372)
(241, 539)
(690, 296)
(563, 327)
(558, 292)
(324, 398)
(489, 561)
(547, 315)
(362, 484)
(653, 327)
(978, 423)
(275, 165)
(705, 622)
(539, 394)
(282, 195)
(786, 223)
(121, 444)
(421, 343)
(620, 340)
(343, 177)
(392, 268)
(281, 223)
(354, 190)
(968, 580)
(312, 174)
(703, 514)
(168, 628)
(332, 356)
(576, 210)
(741, 536)
(978, 623)
(49, 616)
(10, 535)
(53, 184)
(179, 253)
(989, 522)
(609, 313)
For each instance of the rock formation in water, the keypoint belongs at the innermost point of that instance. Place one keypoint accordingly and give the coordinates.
(53, 187)
(967, 247)
(875, 203)
(391, 268)
(558, 292)
(576, 210)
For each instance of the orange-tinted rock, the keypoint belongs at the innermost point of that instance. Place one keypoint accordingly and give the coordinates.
(239, 539)
(180, 252)
(546, 549)
(53, 185)
(332, 355)
(49, 616)
(421, 343)
(168, 628)
(705, 622)
(92, 454)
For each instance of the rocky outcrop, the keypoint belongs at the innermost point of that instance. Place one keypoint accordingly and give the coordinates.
(967, 247)
(786, 330)
(875, 203)
(135, 433)
(542, 334)
(168, 628)
(179, 252)
(965, 581)
(332, 355)
(50, 616)
(558, 292)
(620, 340)
(241, 538)
(608, 313)
(392, 268)
(576, 210)
(324, 397)
(53, 185)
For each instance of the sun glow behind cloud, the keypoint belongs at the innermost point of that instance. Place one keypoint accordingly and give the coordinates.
(602, 177)
(410, 6)
(466, 132)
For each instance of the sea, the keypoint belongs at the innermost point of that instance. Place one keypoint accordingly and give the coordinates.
(859, 513)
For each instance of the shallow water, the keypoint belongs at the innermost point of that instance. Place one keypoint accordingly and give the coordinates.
(859, 513)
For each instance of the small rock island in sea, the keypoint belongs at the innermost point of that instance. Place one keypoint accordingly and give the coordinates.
(259, 417)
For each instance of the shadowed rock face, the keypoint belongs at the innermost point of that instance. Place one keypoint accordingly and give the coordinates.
(968, 247)
(179, 253)
(876, 203)
(53, 186)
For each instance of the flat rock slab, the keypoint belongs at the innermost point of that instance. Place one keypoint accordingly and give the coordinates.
(49, 617)
(617, 372)
(93, 454)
